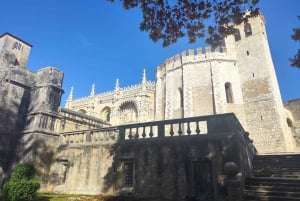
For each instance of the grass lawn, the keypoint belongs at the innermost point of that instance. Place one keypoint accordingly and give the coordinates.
(59, 197)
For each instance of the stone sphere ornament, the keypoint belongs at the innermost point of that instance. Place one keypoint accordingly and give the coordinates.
(231, 168)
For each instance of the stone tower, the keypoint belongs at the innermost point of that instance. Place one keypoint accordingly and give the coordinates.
(264, 112)
(14, 50)
(25, 96)
(238, 78)
(14, 93)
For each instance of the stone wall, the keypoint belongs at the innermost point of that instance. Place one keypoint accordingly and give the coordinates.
(294, 107)
(238, 78)
(105, 161)
(293, 120)
(156, 168)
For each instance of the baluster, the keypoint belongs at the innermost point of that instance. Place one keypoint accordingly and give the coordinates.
(188, 129)
(151, 132)
(197, 128)
(179, 129)
(137, 133)
(72, 138)
(144, 132)
(111, 135)
(171, 130)
(107, 134)
(130, 133)
(67, 140)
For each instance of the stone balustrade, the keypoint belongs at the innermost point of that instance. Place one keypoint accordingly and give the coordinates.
(203, 125)
(93, 136)
(212, 124)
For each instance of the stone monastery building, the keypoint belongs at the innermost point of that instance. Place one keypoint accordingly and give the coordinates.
(190, 135)
(238, 78)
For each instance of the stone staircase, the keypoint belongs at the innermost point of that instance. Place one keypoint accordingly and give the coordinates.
(275, 178)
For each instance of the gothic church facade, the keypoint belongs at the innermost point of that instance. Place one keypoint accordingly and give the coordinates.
(238, 78)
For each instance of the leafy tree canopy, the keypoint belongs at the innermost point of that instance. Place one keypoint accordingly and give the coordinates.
(295, 62)
(169, 20)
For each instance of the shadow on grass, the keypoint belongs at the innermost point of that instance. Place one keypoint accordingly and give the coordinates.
(61, 197)
(42, 198)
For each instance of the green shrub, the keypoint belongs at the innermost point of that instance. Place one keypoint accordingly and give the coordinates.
(22, 186)
(23, 171)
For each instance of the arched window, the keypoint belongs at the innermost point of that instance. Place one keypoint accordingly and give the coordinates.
(228, 91)
(128, 112)
(237, 35)
(107, 117)
(82, 111)
(105, 114)
(289, 122)
(247, 29)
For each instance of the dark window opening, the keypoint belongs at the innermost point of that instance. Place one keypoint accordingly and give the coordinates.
(289, 122)
(248, 53)
(237, 35)
(128, 170)
(180, 97)
(17, 46)
(16, 63)
(108, 116)
(247, 29)
(203, 180)
(228, 91)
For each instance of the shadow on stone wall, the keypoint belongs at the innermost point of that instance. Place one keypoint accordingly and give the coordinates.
(15, 146)
(180, 168)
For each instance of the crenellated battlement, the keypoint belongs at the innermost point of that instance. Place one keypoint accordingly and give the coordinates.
(198, 55)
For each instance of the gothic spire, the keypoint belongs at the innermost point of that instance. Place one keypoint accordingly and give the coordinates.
(93, 90)
(70, 98)
(117, 88)
(144, 79)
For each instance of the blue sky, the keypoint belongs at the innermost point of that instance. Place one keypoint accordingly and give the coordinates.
(94, 41)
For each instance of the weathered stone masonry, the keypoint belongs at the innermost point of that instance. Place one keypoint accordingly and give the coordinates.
(109, 143)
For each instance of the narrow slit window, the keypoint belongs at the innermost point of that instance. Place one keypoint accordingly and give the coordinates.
(180, 94)
(228, 91)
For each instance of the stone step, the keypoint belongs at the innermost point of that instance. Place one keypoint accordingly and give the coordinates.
(273, 193)
(266, 188)
(276, 178)
(267, 164)
(277, 161)
(291, 157)
(269, 198)
(277, 173)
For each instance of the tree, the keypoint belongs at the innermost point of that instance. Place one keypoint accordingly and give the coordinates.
(22, 186)
(295, 62)
(170, 20)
